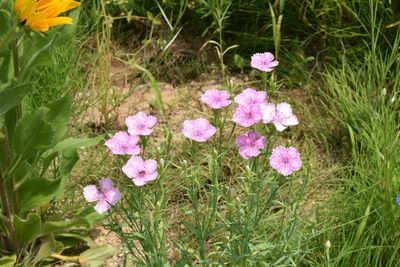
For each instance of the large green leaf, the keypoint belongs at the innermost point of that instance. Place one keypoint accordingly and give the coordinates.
(29, 229)
(36, 50)
(71, 239)
(36, 192)
(8, 261)
(33, 134)
(96, 256)
(72, 143)
(66, 150)
(50, 227)
(47, 247)
(58, 116)
(68, 159)
(10, 97)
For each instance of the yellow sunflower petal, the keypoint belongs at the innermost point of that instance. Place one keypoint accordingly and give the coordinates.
(58, 21)
(60, 7)
(27, 10)
(45, 3)
(19, 5)
(37, 22)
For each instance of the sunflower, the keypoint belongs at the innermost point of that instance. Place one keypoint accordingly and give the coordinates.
(43, 14)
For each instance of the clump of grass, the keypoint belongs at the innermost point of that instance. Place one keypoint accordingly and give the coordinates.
(363, 97)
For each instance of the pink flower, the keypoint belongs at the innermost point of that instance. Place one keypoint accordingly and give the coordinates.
(107, 196)
(263, 61)
(250, 144)
(140, 124)
(281, 116)
(123, 144)
(285, 160)
(251, 97)
(216, 99)
(246, 116)
(140, 171)
(199, 130)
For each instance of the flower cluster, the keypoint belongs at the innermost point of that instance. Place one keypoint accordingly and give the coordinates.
(139, 170)
(252, 108)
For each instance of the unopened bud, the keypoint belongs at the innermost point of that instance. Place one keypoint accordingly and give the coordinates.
(162, 162)
(328, 244)
(384, 92)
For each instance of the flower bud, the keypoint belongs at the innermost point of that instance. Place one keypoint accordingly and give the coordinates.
(328, 244)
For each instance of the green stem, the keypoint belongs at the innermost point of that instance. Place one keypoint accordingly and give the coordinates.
(10, 218)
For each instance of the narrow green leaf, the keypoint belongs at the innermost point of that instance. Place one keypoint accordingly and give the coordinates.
(192, 228)
(8, 261)
(10, 97)
(35, 192)
(29, 229)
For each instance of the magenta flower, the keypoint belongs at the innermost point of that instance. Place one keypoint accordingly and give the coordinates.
(140, 124)
(123, 144)
(263, 61)
(199, 130)
(251, 97)
(216, 99)
(246, 116)
(140, 171)
(281, 116)
(250, 144)
(285, 160)
(107, 196)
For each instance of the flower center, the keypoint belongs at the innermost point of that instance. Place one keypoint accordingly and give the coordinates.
(285, 160)
(141, 126)
(142, 173)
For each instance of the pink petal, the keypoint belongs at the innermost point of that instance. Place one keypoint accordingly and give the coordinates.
(139, 181)
(106, 184)
(150, 165)
(102, 206)
(285, 109)
(279, 127)
(112, 196)
(292, 120)
(91, 193)
(151, 176)
(129, 170)
(268, 112)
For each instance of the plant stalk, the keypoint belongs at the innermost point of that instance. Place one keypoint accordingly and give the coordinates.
(9, 215)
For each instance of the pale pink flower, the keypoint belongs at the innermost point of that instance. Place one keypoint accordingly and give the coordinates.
(246, 116)
(216, 99)
(251, 97)
(107, 196)
(140, 124)
(123, 144)
(250, 144)
(263, 61)
(285, 160)
(199, 130)
(140, 171)
(281, 115)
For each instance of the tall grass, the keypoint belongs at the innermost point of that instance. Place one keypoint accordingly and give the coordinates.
(363, 93)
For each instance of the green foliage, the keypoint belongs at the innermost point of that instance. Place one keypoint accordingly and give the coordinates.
(36, 159)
